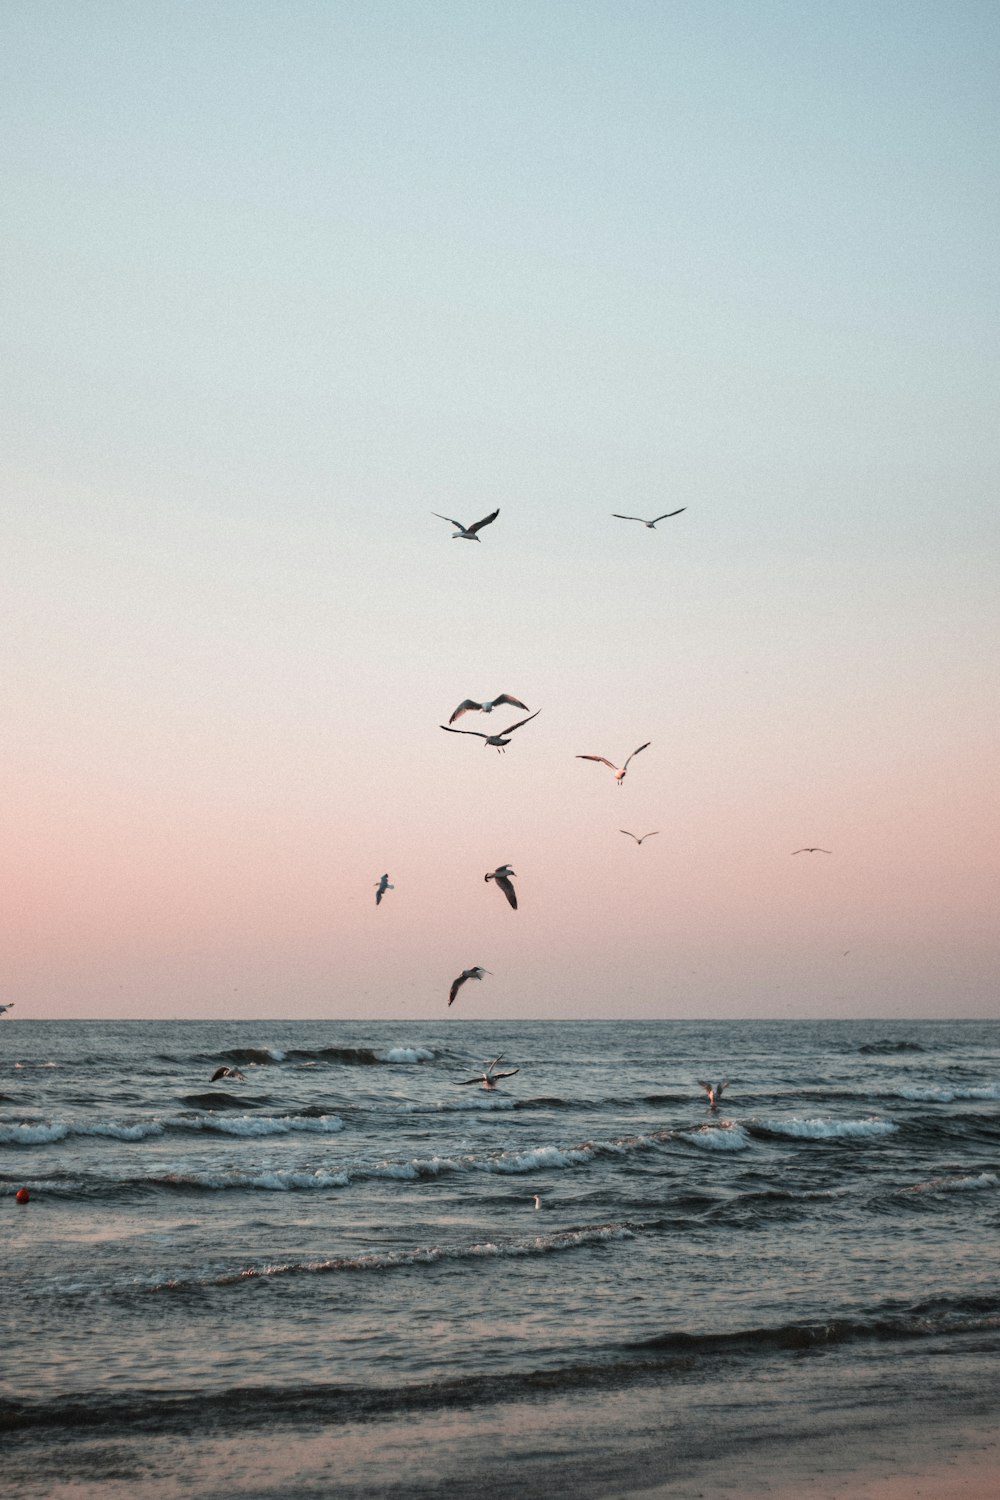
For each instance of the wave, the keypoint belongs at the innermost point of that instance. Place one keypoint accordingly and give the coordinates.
(361, 1057)
(823, 1130)
(967, 1184)
(726, 1136)
(43, 1133)
(930, 1094)
(261, 1057)
(873, 1048)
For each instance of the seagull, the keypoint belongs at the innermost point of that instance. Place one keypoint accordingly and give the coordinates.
(227, 1073)
(714, 1092)
(538, 1201)
(500, 740)
(489, 1079)
(650, 524)
(456, 984)
(382, 885)
(467, 533)
(636, 836)
(619, 775)
(4, 1008)
(812, 849)
(468, 704)
(502, 876)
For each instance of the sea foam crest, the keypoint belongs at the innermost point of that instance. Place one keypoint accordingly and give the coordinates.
(25, 1134)
(256, 1125)
(268, 1182)
(828, 1130)
(406, 1055)
(975, 1184)
(722, 1137)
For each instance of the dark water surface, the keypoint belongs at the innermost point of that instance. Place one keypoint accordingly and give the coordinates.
(346, 1245)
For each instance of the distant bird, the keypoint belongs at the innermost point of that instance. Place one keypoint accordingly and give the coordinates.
(650, 524)
(636, 836)
(227, 1073)
(619, 774)
(501, 740)
(714, 1092)
(812, 849)
(4, 1008)
(538, 1201)
(489, 1078)
(467, 533)
(469, 705)
(382, 885)
(456, 984)
(502, 876)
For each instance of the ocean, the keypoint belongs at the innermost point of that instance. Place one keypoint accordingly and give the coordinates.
(351, 1275)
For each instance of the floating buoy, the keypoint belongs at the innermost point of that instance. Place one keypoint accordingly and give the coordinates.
(22, 1195)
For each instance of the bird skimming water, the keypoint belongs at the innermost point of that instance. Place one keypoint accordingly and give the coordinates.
(227, 1073)
(467, 533)
(489, 1078)
(502, 876)
(714, 1091)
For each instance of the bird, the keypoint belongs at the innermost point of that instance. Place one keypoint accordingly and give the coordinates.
(636, 836)
(619, 775)
(500, 740)
(469, 705)
(714, 1091)
(225, 1072)
(538, 1201)
(812, 849)
(382, 885)
(4, 1008)
(502, 876)
(651, 524)
(467, 533)
(488, 1078)
(476, 972)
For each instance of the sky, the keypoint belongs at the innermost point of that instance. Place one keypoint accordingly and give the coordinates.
(284, 279)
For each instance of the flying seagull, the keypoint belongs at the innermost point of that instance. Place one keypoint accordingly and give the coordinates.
(7, 1007)
(488, 1079)
(456, 984)
(619, 775)
(469, 704)
(650, 524)
(636, 836)
(499, 740)
(382, 885)
(467, 533)
(502, 876)
(812, 849)
(714, 1091)
(227, 1073)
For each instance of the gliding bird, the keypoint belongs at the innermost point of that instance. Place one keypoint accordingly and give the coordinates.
(636, 836)
(812, 849)
(468, 704)
(502, 876)
(619, 774)
(456, 984)
(467, 533)
(489, 1078)
(227, 1073)
(650, 524)
(7, 1007)
(714, 1092)
(500, 740)
(382, 885)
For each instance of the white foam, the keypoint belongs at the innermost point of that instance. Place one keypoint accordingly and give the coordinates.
(722, 1137)
(828, 1130)
(958, 1184)
(925, 1095)
(265, 1125)
(406, 1055)
(32, 1135)
(538, 1159)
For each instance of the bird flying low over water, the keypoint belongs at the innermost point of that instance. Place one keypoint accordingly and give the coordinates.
(500, 740)
(381, 886)
(619, 774)
(227, 1073)
(714, 1091)
(467, 533)
(456, 984)
(812, 849)
(469, 705)
(502, 876)
(651, 524)
(636, 836)
(489, 1078)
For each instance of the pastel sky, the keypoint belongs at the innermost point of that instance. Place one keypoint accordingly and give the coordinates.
(283, 279)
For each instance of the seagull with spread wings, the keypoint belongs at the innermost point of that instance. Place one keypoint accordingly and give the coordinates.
(469, 705)
(502, 876)
(650, 524)
(467, 533)
(636, 836)
(812, 849)
(619, 774)
(500, 740)
(489, 1078)
(456, 984)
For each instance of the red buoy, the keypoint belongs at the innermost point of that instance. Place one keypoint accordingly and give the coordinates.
(22, 1195)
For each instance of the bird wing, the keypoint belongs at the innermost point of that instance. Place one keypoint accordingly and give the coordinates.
(723, 1085)
(463, 708)
(507, 1075)
(704, 1085)
(514, 702)
(464, 1083)
(631, 835)
(636, 752)
(219, 1073)
(627, 518)
(477, 525)
(602, 758)
(507, 889)
(511, 727)
(667, 514)
(478, 733)
(651, 834)
(449, 519)
(456, 985)
(492, 1065)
